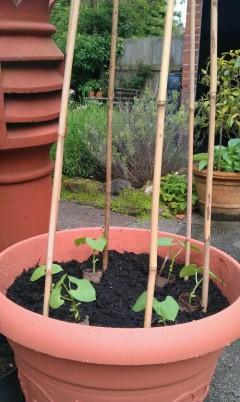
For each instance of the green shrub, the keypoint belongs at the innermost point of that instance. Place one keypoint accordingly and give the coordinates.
(134, 133)
(78, 160)
(174, 194)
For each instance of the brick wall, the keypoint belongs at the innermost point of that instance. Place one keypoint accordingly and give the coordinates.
(186, 51)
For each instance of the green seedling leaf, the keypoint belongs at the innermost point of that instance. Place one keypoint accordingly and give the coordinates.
(188, 270)
(213, 276)
(56, 300)
(167, 309)
(192, 247)
(195, 248)
(97, 244)
(140, 303)
(80, 241)
(165, 241)
(84, 292)
(41, 271)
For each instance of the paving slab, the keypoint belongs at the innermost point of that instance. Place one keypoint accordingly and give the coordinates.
(225, 386)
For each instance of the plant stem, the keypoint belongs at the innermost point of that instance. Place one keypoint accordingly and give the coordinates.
(94, 260)
(163, 265)
(192, 294)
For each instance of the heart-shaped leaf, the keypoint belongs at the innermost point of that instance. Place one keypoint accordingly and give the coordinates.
(97, 244)
(41, 271)
(84, 292)
(167, 309)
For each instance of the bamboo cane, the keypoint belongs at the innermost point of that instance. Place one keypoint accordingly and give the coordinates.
(190, 131)
(158, 161)
(109, 131)
(75, 4)
(208, 198)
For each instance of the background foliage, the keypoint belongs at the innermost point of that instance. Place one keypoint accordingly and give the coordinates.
(137, 18)
(134, 131)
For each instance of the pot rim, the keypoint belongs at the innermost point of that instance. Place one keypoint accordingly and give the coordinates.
(216, 174)
(125, 346)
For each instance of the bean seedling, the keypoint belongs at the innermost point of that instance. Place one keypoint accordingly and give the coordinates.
(83, 292)
(171, 242)
(194, 270)
(96, 245)
(167, 310)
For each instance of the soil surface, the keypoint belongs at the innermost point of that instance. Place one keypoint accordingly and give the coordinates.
(120, 286)
(7, 361)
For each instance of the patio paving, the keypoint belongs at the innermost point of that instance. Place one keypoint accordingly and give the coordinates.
(225, 385)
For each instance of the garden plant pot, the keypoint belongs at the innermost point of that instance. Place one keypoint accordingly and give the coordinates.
(59, 361)
(225, 195)
(99, 94)
(91, 94)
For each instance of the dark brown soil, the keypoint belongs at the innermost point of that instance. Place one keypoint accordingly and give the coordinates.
(7, 361)
(121, 285)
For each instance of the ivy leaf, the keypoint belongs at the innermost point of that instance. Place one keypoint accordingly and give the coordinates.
(84, 292)
(41, 271)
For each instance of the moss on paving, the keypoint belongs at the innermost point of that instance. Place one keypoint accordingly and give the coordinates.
(89, 192)
(83, 191)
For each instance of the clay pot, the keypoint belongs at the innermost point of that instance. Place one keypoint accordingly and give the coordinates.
(91, 94)
(60, 361)
(225, 196)
(99, 94)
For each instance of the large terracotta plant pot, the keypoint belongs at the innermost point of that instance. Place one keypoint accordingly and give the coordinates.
(225, 195)
(59, 361)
